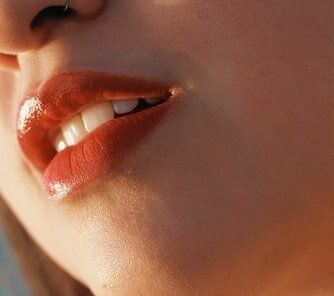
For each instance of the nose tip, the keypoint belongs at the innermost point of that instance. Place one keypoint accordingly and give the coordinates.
(23, 24)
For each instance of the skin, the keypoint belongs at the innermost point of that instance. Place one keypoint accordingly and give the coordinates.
(233, 193)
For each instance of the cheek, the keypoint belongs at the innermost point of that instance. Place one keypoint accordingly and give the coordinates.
(8, 99)
(275, 84)
(279, 95)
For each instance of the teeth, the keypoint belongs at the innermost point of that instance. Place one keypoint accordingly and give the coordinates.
(60, 143)
(96, 115)
(153, 101)
(125, 106)
(74, 131)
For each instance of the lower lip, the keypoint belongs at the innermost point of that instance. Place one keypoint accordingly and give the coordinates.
(78, 166)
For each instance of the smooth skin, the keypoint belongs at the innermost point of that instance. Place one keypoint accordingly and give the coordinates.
(233, 193)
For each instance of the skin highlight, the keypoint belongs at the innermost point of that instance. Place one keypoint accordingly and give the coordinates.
(233, 194)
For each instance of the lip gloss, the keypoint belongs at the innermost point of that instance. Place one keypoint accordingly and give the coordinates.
(94, 156)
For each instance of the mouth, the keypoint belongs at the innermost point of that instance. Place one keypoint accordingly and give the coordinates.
(77, 125)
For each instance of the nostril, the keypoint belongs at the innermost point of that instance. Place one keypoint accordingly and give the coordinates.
(50, 14)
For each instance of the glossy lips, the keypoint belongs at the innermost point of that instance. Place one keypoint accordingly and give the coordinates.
(64, 96)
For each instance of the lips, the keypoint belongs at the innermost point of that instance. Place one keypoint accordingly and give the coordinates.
(62, 97)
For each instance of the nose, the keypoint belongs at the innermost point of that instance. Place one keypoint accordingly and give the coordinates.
(26, 24)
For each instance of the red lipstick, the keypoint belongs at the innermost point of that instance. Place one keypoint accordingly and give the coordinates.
(62, 97)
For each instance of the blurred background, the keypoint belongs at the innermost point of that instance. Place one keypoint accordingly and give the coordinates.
(11, 283)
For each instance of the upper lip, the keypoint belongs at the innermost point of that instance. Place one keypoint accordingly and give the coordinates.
(62, 96)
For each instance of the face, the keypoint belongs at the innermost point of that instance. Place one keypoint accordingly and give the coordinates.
(230, 193)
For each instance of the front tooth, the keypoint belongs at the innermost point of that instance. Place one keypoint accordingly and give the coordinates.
(153, 100)
(97, 114)
(125, 106)
(60, 143)
(74, 131)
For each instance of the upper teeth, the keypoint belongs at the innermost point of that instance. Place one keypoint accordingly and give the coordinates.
(125, 106)
(97, 114)
(153, 100)
(76, 128)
